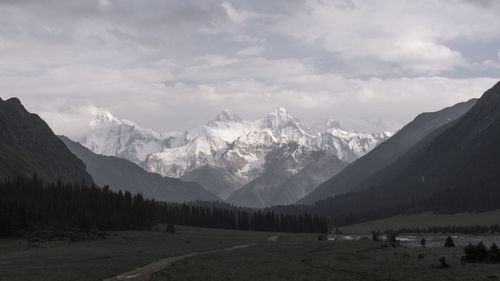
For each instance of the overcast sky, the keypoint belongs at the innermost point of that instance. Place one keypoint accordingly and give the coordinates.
(170, 65)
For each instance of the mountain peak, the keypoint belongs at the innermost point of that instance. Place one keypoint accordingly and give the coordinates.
(15, 105)
(278, 119)
(103, 116)
(14, 100)
(332, 124)
(29, 146)
(280, 111)
(227, 116)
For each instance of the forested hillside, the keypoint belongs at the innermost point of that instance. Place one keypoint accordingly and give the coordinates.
(29, 205)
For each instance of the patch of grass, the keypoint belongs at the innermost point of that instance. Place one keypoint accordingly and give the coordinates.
(302, 257)
(120, 252)
(424, 220)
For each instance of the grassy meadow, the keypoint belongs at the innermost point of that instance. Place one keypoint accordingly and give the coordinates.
(120, 252)
(291, 257)
(302, 257)
(424, 220)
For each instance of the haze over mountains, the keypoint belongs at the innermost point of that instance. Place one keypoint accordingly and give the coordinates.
(441, 161)
(452, 169)
(229, 154)
(387, 152)
(281, 184)
(276, 160)
(28, 147)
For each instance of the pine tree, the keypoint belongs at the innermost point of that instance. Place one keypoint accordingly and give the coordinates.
(494, 253)
(482, 252)
(449, 242)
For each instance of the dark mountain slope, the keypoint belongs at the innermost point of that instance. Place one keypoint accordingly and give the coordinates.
(284, 180)
(324, 167)
(465, 153)
(387, 152)
(214, 178)
(28, 146)
(121, 174)
(459, 160)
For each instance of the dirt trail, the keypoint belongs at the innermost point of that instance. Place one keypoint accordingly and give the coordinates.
(273, 238)
(144, 273)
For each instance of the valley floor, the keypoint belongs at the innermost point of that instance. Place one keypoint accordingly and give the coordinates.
(122, 251)
(302, 257)
(424, 220)
(267, 256)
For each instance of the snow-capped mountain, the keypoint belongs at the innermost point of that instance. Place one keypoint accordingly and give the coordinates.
(110, 136)
(364, 125)
(199, 146)
(228, 153)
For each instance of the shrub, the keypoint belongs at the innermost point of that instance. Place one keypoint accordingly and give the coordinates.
(170, 228)
(449, 242)
(391, 237)
(322, 237)
(443, 263)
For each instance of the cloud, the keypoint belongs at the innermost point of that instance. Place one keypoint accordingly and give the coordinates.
(249, 87)
(411, 36)
(72, 122)
(238, 17)
(171, 65)
(251, 51)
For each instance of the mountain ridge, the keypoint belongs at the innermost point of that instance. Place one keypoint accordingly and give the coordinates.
(30, 147)
(227, 152)
(121, 174)
(387, 152)
(453, 169)
(284, 164)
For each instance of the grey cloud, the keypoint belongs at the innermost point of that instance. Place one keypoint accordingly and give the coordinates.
(173, 64)
(482, 3)
(166, 14)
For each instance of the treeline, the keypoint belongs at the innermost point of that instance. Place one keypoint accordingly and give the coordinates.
(448, 201)
(29, 204)
(480, 253)
(471, 229)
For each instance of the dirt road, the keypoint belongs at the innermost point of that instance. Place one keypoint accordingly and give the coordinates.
(144, 273)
